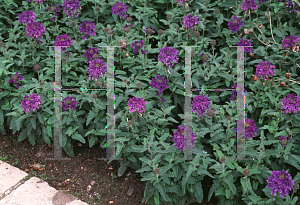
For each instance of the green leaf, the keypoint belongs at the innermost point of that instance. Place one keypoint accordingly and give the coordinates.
(49, 130)
(91, 115)
(69, 119)
(122, 168)
(296, 179)
(220, 19)
(40, 117)
(162, 192)
(90, 132)
(29, 128)
(229, 181)
(226, 76)
(197, 188)
(77, 136)
(213, 188)
(23, 135)
(168, 110)
(31, 138)
(33, 122)
(277, 32)
(92, 140)
(48, 111)
(165, 169)
(272, 98)
(185, 178)
(68, 148)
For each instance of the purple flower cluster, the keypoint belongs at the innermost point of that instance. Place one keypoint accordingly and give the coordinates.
(235, 24)
(92, 54)
(136, 104)
(189, 21)
(204, 57)
(264, 0)
(69, 102)
(179, 137)
(137, 46)
(234, 93)
(281, 182)
(181, 1)
(35, 30)
(168, 55)
(127, 28)
(249, 4)
(295, 6)
(26, 17)
(159, 83)
(30, 102)
(265, 69)
(149, 30)
(70, 6)
(201, 104)
(245, 42)
(119, 8)
(36, 1)
(87, 27)
(63, 40)
(290, 103)
(37, 67)
(15, 79)
(250, 128)
(290, 41)
(283, 140)
(97, 68)
(54, 10)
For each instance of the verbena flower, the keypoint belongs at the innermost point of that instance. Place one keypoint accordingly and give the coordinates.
(63, 40)
(189, 21)
(265, 69)
(87, 27)
(35, 30)
(293, 5)
(290, 41)
(290, 103)
(137, 46)
(182, 134)
(234, 93)
(70, 6)
(136, 104)
(15, 79)
(167, 56)
(283, 140)
(31, 102)
(119, 8)
(245, 42)
(249, 4)
(264, 0)
(250, 128)
(159, 83)
(201, 104)
(26, 17)
(127, 28)
(54, 10)
(97, 68)
(69, 102)
(90, 54)
(204, 57)
(149, 30)
(235, 24)
(180, 1)
(281, 182)
(37, 67)
(36, 1)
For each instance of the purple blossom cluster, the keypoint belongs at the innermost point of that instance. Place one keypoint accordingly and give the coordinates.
(37, 67)
(245, 42)
(136, 104)
(63, 40)
(36, 1)
(290, 41)
(234, 93)
(264, 0)
(249, 4)
(137, 45)
(283, 140)
(15, 79)
(119, 8)
(167, 56)
(31, 102)
(204, 57)
(87, 27)
(281, 182)
(54, 10)
(26, 17)
(97, 68)
(70, 6)
(295, 7)
(35, 30)
(179, 137)
(149, 30)
(159, 83)
(265, 69)
(69, 102)
(189, 21)
(201, 104)
(235, 24)
(127, 28)
(250, 128)
(181, 1)
(92, 54)
(290, 103)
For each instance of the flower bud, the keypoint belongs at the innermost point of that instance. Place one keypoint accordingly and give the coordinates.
(280, 14)
(125, 80)
(196, 13)
(288, 75)
(211, 113)
(196, 34)
(128, 19)
(94, 96)
(217, 11)
(9, 21)
(264, 83)
(213, 43)
(160, 32)
(251, 55)
(73, 24)
(282, 26)
(1, 43)
(246, 172)
(97, 9)
(37, 67)
(139, 85)
(68, 102)
(223, 160)
(169, 17)
(156, 171)
(204, 58)
(295, 187)
(106, 29)
(178, 28)
(254, 78)
(42, 83)
(267, 15)
(205, 21)
(260, 26)
(193, 53)
(206, 3)
(228, 118)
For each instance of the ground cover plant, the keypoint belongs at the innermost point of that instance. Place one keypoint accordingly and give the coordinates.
(150, 90)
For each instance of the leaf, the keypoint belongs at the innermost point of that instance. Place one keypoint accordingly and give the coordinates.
(165, 169)
(22, 135)
(48, 111)
(122, 168)
(185, 178)
(33, 122)
(162, 192)
(91, 115)
(220, 19)
(77, 136)
(90, 132)
(278, 33)
(168, 110)
(197, 188)
(296, 179)
(40, 117)
(31, 138)
(92, 140)
(272, 98)
(226, 76)
(213, 188)
(229, 181)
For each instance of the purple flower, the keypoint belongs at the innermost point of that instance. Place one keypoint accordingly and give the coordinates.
(245, 42)
(15, 79)
(234, 24)
(30, 102)
(250, 128)
(179, 138)
(234, 93)
(159, 83)
(281, 182)
(119, 8)
(265, 0)
(137, 46)
(189, 21)
(127, 28)
(92, 54)
(40, 1)
(88, 28)
(69, 102)
(283, 140)
(201, 104)
(136, 104)
(36, 67)
(290, 41)
(63, 40)
(264, 69)
(167, 56)
(204, 57)
(70, 6)
(97, 68)
(26, 17)
(54, 10)
(290, 103)
(295, 6)
(149, 30)
(249, 4)
(35, 30)
(181, 1)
